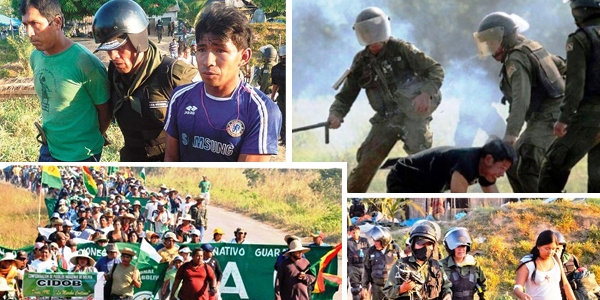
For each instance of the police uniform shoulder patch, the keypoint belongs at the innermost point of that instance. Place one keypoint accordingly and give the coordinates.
(235, 128)
(569, 46)
(510, 69)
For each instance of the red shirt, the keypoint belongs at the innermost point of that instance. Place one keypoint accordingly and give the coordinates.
(195, 281)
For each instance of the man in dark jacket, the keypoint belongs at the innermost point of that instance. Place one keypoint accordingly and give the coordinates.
(141, 79)
(293, 277)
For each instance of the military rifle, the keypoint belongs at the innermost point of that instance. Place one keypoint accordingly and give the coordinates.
(405, 274)
(313, 126)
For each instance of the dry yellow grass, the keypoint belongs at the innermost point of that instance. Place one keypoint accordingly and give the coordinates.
(510, 233)
(502, 236)
(18, 217)
(285, 198)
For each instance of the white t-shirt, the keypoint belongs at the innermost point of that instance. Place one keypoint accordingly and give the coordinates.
(150, 208)
(184, 208)
(233, 241)
(546, 285)
(161, 221)
(43, 266)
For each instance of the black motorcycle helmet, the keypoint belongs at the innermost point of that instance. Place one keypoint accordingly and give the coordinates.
(583, 10)
(118, 21)
(585, 3)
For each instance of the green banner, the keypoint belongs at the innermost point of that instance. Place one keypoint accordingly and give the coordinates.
(151, 272)
(58, 284)
(248, 271)
(3, 250)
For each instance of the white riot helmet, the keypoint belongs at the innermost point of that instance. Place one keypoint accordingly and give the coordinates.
(455, 237)
(378, 233)
(372, 25)
(282, 51)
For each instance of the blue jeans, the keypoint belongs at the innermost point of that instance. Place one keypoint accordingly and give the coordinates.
(45, 156)
(201, 228)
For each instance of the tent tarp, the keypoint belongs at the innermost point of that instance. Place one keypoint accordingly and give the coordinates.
(5, 21)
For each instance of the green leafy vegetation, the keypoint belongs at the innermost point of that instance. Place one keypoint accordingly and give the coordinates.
(17, 132)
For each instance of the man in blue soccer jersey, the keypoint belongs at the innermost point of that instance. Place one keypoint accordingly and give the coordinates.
(221, 118)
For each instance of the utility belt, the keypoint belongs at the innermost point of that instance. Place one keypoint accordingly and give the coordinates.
(148, 140)
(463, 294)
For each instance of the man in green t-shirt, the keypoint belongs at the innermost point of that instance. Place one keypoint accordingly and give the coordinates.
(71, 83)
(125, 276)
(204, 186)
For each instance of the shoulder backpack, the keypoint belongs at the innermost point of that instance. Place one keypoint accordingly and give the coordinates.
(576, 279)
(109, 282)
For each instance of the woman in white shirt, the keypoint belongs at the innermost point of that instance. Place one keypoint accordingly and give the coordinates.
(539, 274)
(45, 263)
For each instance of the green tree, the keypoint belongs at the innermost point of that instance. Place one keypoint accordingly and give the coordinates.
(392, 208)
(272, 7)
(189, 10)
(6, 7)
(77, 9)
(328, 183)
(255, 177)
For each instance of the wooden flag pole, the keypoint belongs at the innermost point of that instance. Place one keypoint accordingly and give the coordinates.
(42, 191)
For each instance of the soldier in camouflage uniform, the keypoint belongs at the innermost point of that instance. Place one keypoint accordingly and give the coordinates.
(420, 275)
(141, 78)
(262, 77)
(379, 259)
(578, 126)
(533, 86)
(461, 268)
(402, 85)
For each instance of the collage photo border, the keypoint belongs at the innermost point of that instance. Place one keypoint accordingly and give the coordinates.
(290, 164)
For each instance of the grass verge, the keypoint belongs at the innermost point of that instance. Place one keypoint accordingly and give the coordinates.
(284, 198)
(19, 217)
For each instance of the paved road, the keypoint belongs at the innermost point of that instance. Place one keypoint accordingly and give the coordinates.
(258, 233)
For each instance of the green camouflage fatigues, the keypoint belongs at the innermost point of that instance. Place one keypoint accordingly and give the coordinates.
(436, 284)
(467, 280)
(262, 78)
(394, 77)
(529, 103)
(140, 101)
(581, 112)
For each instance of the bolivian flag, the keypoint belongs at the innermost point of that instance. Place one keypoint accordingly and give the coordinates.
(88, 180)
(51, 177)
(327, 280)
